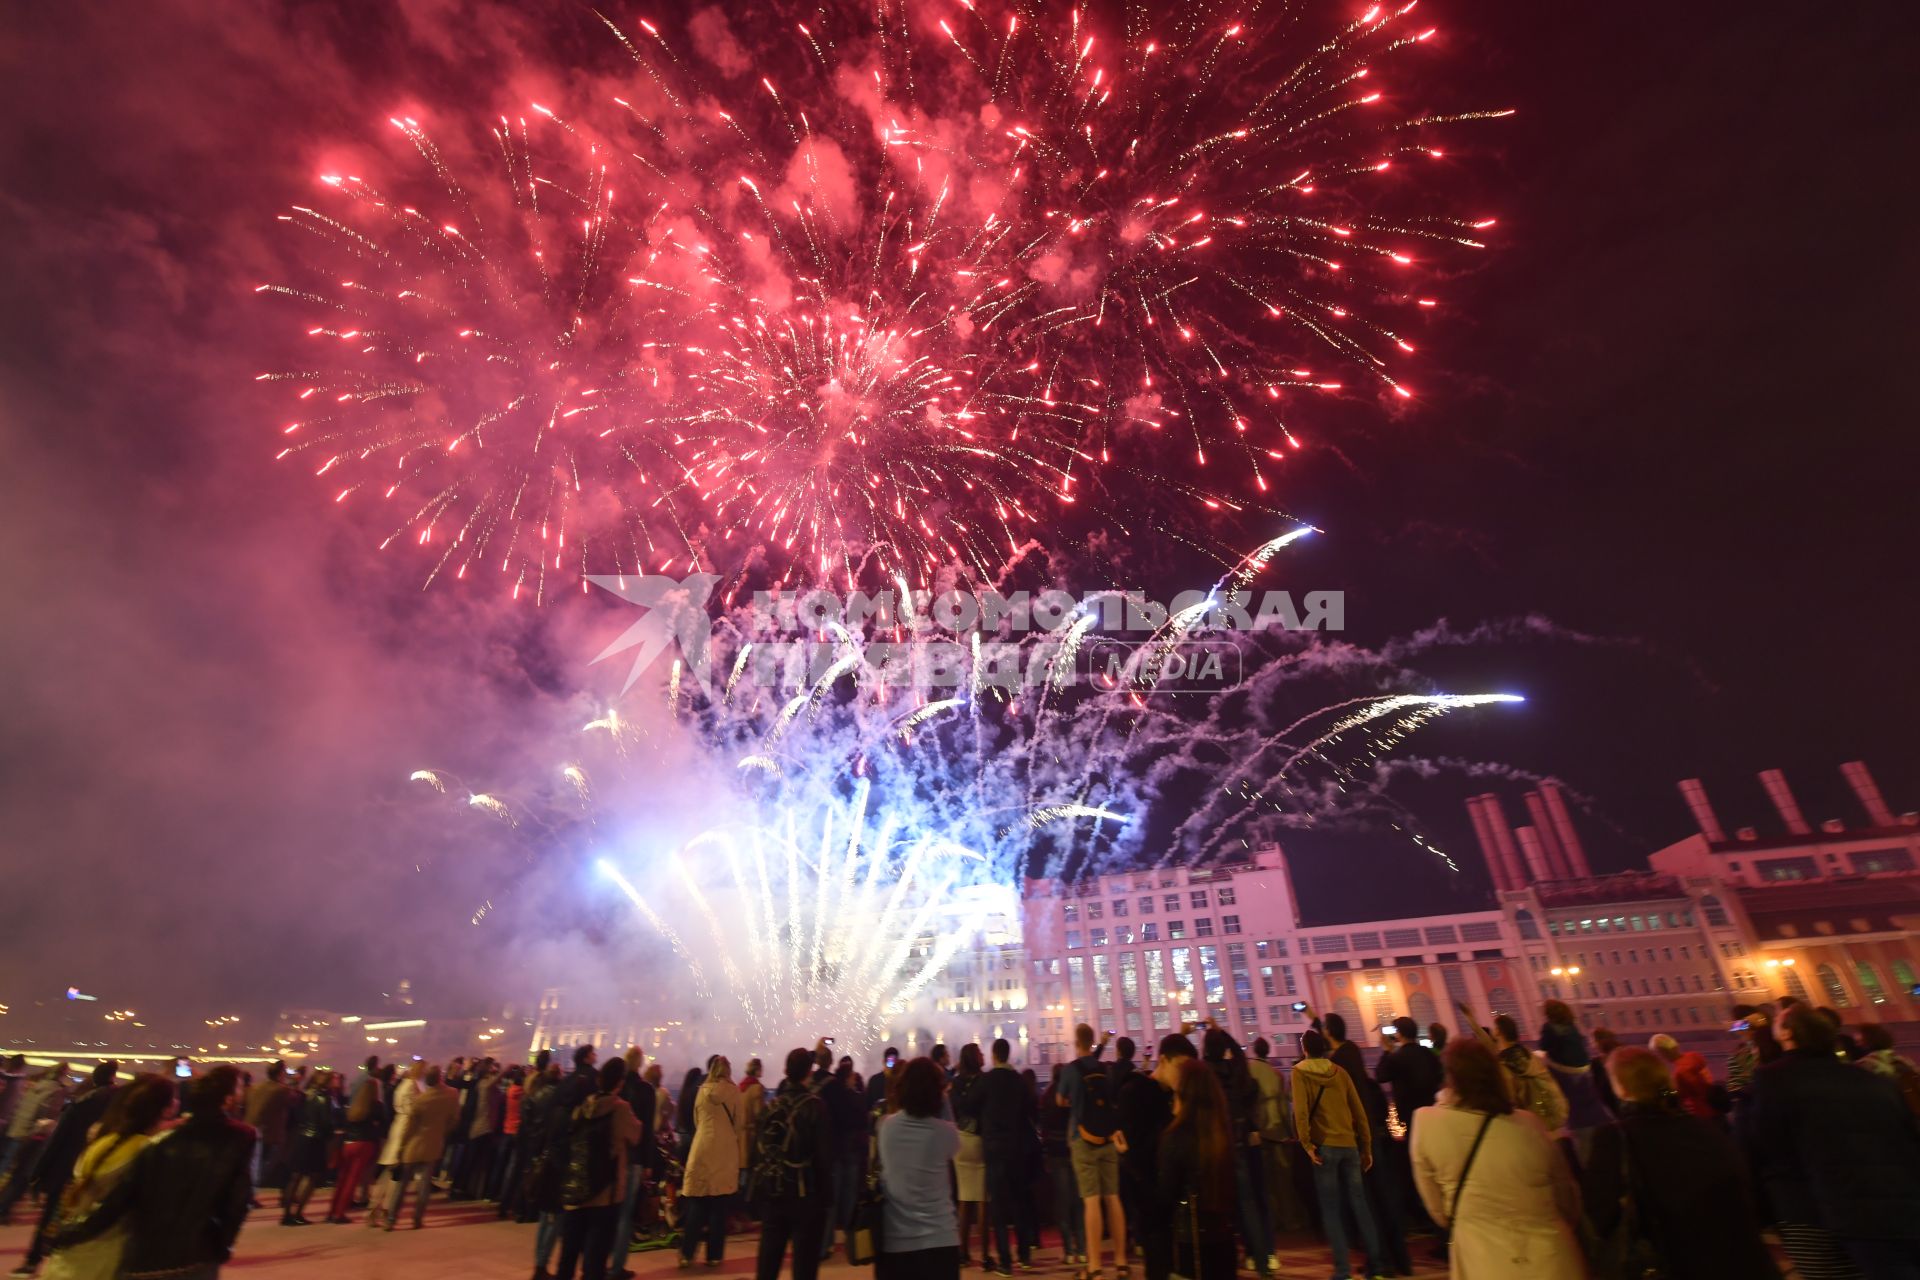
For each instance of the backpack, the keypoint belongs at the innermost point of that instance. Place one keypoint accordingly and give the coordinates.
(1536, 1091)
(784, 1144)
(592, 1162)
(1099, 1117)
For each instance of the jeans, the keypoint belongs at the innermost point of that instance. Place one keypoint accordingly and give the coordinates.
(703, 1218)
(1067, 1208)
(846, 1192)
(544, 1237)
(266, 1160)
(354, 1159)
(1337, 1177)
(1250, 1203)
(511, 1173)
(586, 1236)
(802, 1222)
(1008, 1202)
(623, 1228)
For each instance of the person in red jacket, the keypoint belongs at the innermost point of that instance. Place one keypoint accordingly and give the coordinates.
(1692, 1078)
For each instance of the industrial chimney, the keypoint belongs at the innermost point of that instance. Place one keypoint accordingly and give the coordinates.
(1868, 793)
(1536, 856)
(1495, 868)
(1503, 839)
(1563, 828)
(1776, 785)
(1703, 816)
(1549, 841)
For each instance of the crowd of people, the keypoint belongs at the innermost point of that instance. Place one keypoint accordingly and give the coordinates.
(1507, 1158)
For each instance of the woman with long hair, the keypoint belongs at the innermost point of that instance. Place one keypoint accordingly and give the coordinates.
(132, 1119)
(1195, 1185)
(970, 1166)
(310, 1131)
(1573, 1068)
(1255, 1211)
(1491, 1174)
(713, 1163)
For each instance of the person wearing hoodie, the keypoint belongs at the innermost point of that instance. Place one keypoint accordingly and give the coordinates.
(1692, 1078)
(600, 1134)
(1332, 1124)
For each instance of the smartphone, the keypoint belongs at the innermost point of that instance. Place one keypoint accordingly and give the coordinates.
(1299, 1006)
(1386, 1029)
(182, 1069)
(1742, 1025)
(827, 1040)
(892, 1057)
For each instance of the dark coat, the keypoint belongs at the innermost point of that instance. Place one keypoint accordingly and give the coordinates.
(184, 1200)
(67, 1142)
(1414, 1074)
(1833, 1146)
(1691, 1191)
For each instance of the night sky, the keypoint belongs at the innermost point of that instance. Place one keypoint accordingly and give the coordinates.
(1676, 424)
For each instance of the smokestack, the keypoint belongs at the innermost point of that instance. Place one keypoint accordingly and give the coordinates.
(1488, 851)
(1703, 815)
(1496, 816)
(1776, 785)
(1563, 828)
(1868, 792)
(1549, 843)
(1536, 855)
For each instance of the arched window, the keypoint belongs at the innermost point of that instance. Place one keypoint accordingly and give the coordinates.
(1350, 1011)
(1903, 974)
(1870, 983)
(1502, 1001)
(1795, 988)
(1529, 927)
(1420, 1008)
(1716, 914)
(1830, 983)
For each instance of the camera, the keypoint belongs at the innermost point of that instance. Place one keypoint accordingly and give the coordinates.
(1299, 1006)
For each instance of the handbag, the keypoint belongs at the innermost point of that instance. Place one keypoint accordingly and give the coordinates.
(1453, 1211)
(1625, 1253)
(866, 1228)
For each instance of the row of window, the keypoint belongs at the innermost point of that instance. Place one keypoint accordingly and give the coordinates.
(1197, 899)
(1150, 932)
(1651, 922)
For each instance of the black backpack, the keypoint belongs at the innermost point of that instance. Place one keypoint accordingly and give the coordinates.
(1099, 1117)
(785, 1140)
(592, 1162)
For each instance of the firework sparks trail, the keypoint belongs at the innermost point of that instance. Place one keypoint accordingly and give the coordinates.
(945, 282)
(880, 827)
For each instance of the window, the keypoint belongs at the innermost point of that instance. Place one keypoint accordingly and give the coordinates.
(1668, 951)
(1173, 902)
(1072, 912)
(1176, 930)
(1524, 918)
(1663, 986)
(1795, 987)
(1224, 895)
(1267, 985)
(1123, 934)
(1146, 906)
(1203, 927)
(1073, 938)
(1616, 957)
(1210, 973)
(1609, 990)
(1100, 938)
(1119, 908)
(1870, 983)
(1830, 983)
(1686, 953)
(1199, 899)
(1876, 860)
(1156, 978)
(1095, 911)
(1903, 974)
(1276, 1013)
(1150, 931)
(1229, 924)
(1633, 957)
(1639, 924)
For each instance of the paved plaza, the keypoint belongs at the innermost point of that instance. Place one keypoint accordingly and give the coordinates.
(467, 1241)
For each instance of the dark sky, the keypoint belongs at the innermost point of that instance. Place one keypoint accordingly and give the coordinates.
(1679, 423)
